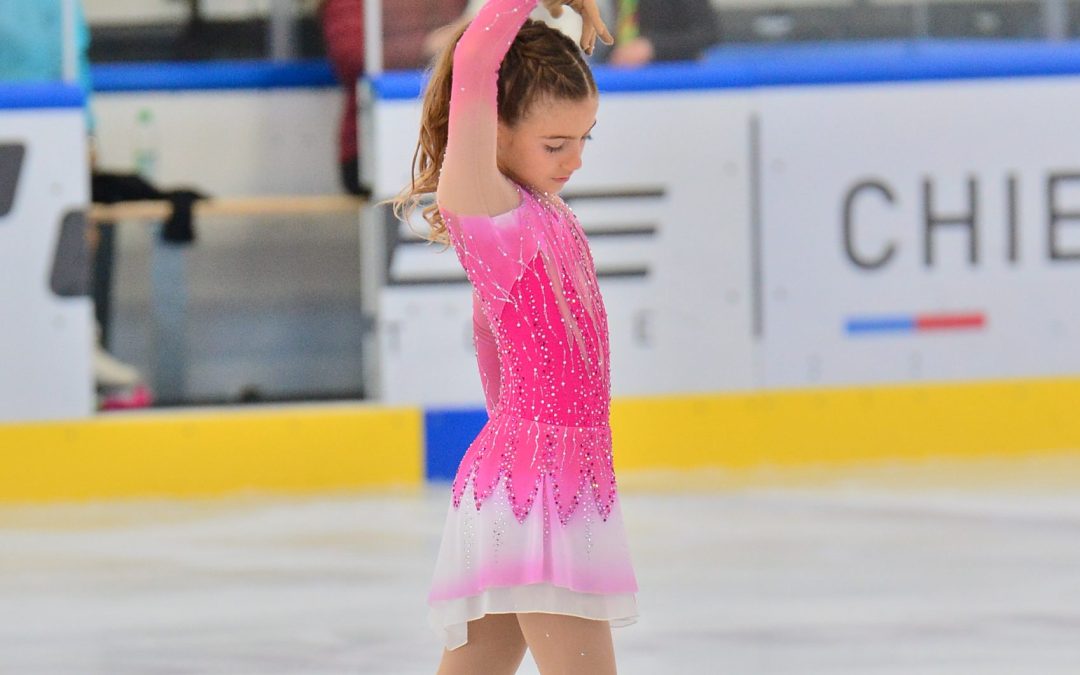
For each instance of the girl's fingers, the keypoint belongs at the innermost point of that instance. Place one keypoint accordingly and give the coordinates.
(588, 37)
(591, 23)
(596, 24)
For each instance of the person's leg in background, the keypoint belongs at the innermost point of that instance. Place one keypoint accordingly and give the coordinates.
(350, 178)
(343, 30)
(118, 384)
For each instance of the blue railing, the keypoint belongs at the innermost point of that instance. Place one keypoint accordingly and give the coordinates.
(209, 75)
(724, 67)
(748, 66)
(44, 95)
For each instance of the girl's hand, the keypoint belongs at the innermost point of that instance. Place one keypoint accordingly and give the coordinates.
(592, 25)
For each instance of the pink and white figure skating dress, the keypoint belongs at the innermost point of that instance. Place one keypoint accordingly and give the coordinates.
(535, 523)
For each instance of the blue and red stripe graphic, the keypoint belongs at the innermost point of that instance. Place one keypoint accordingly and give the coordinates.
(915, 323)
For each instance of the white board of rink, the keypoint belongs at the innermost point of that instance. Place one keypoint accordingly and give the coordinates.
(702, 319)
(45, 340)
(682, 326)
(818, 143)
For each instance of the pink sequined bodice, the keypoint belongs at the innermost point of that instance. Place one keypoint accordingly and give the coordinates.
(537, 304)
(542, 348)
(540, 324)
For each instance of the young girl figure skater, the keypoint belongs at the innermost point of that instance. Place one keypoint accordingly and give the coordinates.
(534, 551)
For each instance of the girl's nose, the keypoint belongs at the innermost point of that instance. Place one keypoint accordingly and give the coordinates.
(573, 162)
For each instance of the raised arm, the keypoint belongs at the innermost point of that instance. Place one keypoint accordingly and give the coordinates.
(471, 183)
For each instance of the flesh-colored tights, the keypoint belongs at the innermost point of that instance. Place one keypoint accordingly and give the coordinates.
(560, 644)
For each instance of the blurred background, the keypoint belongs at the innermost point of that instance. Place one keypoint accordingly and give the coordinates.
(291, 334)
(249, 84)
(838, 242)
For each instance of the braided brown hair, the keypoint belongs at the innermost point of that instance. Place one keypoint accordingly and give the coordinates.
(542, 63)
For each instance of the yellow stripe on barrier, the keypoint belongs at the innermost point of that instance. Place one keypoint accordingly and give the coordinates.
(742, 435)
(189, 454)
(748, 431)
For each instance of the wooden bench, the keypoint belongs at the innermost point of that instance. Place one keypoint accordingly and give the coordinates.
(229, 206)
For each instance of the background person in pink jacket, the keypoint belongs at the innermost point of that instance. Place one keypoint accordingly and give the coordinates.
(405, 25)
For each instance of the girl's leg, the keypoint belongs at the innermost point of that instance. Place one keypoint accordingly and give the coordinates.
(495, 646)
(569, 645)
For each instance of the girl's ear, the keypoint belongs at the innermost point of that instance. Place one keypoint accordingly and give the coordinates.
(502, 138)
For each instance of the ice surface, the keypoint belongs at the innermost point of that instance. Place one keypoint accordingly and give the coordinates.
(905, 579)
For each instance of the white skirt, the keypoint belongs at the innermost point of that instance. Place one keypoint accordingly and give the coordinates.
(490, 563)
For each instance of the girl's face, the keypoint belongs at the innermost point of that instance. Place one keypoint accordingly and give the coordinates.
(544, 149)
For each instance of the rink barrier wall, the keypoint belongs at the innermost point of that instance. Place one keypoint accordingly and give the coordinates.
(194, 454)
(210, 453)
(315, 449)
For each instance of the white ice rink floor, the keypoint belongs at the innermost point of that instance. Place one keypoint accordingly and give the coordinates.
(943, 570)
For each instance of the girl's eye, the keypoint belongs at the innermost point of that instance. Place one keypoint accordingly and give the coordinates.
(551, 149)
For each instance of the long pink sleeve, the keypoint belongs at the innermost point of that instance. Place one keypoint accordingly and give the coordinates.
(470, 183)
(476, 199)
